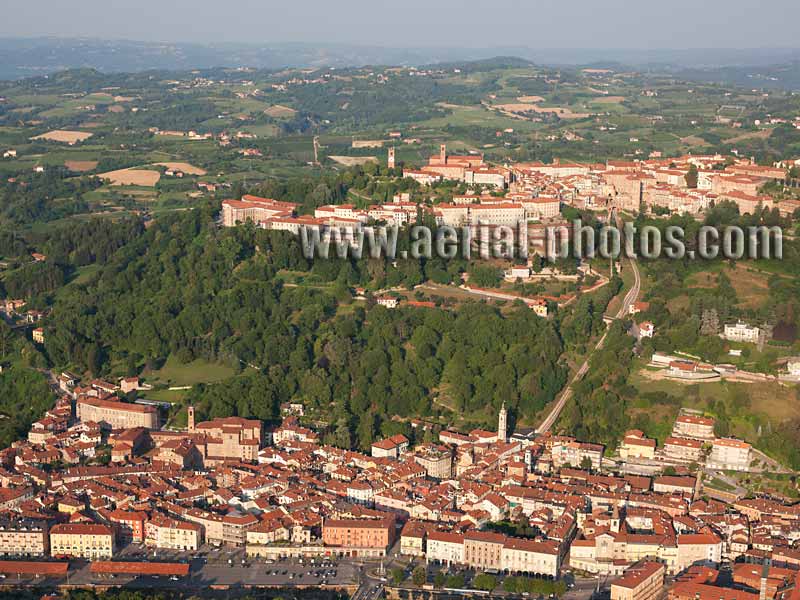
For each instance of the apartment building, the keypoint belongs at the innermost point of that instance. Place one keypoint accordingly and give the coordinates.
(210, 522)
(695, 427)
(531, 556)
(130, 524)
(164, 532)
(23, 537)
(267, 532)
(643, 581)
(116, 415)
(730, 454)
(484, 549)
(698, 549)
(360, 537)
(236, 526)
(685, 449)
(82, 540)
(636, 445)
(445, 547)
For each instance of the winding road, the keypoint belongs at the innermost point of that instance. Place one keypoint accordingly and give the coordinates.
(566, 393)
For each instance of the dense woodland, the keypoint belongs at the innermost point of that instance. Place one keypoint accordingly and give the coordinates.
(189, 289)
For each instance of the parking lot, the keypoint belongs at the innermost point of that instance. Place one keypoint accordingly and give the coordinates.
(229, 566)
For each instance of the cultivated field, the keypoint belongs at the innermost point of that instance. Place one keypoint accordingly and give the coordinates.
(351, 161)
(132, 177)
(527, 107)
(278, 111)
(80, 166)
(609, 100)
(64, 136)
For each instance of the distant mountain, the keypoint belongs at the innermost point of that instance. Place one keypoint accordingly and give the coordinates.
(25, 57)
(784, 76)
(29, 57)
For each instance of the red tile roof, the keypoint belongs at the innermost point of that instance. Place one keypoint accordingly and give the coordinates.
(139, 568)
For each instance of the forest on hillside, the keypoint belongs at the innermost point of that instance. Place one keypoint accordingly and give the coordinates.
(188, 289)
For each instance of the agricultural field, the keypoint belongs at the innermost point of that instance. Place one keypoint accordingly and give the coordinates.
(136, 177)
(66, 137)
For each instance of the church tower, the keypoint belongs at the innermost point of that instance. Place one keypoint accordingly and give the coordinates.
(502, 424)
(190, 412)
(443, 153)
(391, 157)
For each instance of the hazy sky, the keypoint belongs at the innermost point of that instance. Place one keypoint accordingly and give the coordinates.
(533, 23)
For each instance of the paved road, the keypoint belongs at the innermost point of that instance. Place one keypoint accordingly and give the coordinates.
(566, 393)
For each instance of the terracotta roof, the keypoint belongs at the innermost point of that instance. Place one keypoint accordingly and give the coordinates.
(21, 567)
(81, 529)
(139, 568)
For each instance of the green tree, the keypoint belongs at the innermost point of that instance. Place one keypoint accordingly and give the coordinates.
(485, 582)
(455, 581)
(419, 576)
(691, 177)
(398, 576)
(439, 579)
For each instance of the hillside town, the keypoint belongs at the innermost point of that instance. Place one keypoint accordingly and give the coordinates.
(98, 475)
(537, 193)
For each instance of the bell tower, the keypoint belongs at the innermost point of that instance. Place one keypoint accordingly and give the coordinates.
(190, 413)
(391, 162)
(502, 424)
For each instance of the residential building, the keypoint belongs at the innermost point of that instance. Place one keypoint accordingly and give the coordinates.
(531, 557)
(362, 537)
(643, 581)
(695, 427)
(729, 454)
(436, 460)
(390, 447)
(81, 540)
(235, 527)
(172, 534)
(130, 524)
(23, 537)
(636, 445)
(741, 332)
(685, 449)
(445, 547)
(484, 549)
